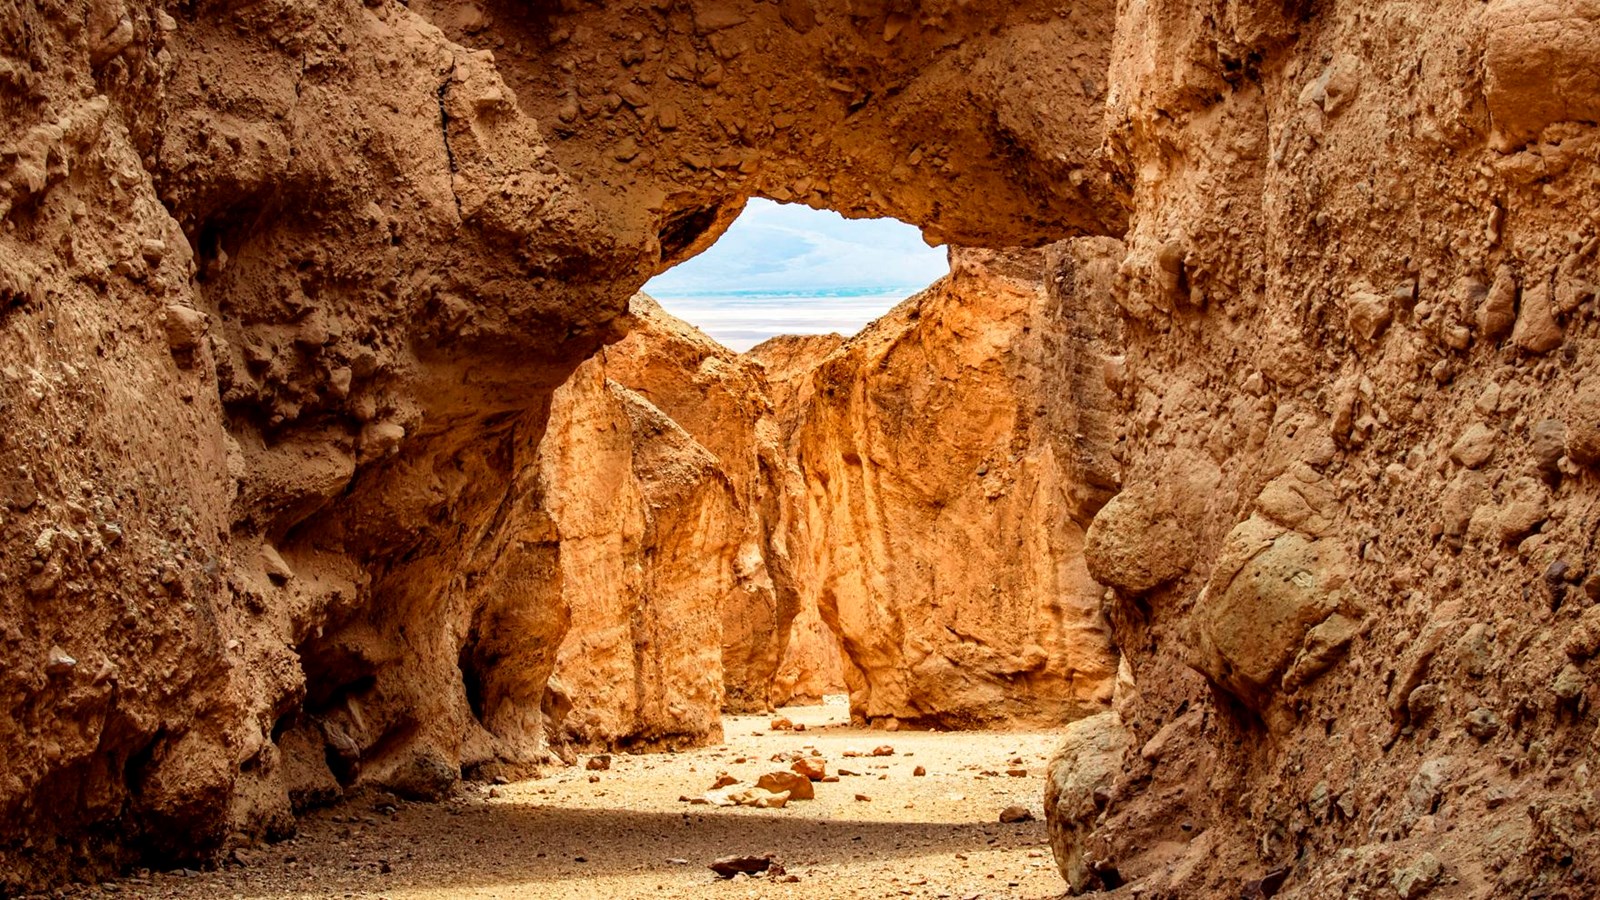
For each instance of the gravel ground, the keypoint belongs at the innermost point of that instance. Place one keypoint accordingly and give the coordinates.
(627, 834)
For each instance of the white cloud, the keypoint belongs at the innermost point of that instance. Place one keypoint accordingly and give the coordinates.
(790, 248)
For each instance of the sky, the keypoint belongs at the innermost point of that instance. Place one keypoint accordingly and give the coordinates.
(790, 269)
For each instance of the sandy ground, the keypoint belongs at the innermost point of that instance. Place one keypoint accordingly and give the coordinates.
(628, 835)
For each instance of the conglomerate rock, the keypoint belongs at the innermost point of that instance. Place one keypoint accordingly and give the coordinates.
(1360, 286)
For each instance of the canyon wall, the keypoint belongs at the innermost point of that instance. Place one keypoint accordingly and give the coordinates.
(939, 500)
(1354, 559)
(646, 529)
(813, 663)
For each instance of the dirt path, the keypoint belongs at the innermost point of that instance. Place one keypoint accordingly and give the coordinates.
(628, 835)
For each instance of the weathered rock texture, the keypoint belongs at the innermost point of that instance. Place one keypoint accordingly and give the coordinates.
(720, 400)
(1354, 561)
(647, 534)
(286, 289)
(813, 664)
(939, 487)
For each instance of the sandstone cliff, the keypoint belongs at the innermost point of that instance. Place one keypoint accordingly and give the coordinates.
(937, 499)
(646, 526)
(720, 399)
(813, 664)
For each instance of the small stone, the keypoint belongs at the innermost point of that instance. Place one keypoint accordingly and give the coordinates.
(1498, 311)
(274, 565)
(796, 785)
(729, 866)
(598, 763)
(58, 662)
(1583, 428)
(186, 329)
(724, 780)
(780, 724)
(811, 767)
(1423, 701)
(1017, 773)
(1483, 723)
(380, 439)
(1584, 639)
(1475, 446)
(863, 798)
(1012, 815)
(1570, 683)
(1537, 330)
(884, 750)
(1368, 314)
(1418, 878)
(919, 771)
(1547, 442)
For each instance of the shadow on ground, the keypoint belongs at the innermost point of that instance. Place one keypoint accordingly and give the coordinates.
(477, 845)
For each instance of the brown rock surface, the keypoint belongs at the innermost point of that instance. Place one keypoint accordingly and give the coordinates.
(940, 488)
(719, 399)
(647, 536)
(1361, 644)
(813, 664)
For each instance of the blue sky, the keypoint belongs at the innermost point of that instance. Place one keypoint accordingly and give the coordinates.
(790, 269)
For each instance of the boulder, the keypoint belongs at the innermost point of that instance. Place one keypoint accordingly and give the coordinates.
(1080, 775)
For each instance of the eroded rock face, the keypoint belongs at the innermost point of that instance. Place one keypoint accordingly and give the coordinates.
(285, 290)
(1363, 641)
(814, 662)
(640, 662)
(937, 522)
(720, 400)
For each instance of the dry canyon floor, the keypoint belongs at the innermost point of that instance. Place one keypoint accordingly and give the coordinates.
(629, 835)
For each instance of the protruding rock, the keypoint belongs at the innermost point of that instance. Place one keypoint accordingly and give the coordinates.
(59, 662)
(1541, 65)
(1368, 313)
(1498, 312)
(381, 439)
(1144, 537)
(1569, 683)
(1418, 878)
(1475, 446)
(1091, 755)
(1269, 587)
(1483, 723)
(1537, 331)
(186, 329)
(1583, 427)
